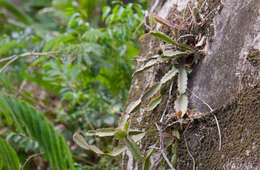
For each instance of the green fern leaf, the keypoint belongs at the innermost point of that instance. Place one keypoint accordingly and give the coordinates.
(36, 126)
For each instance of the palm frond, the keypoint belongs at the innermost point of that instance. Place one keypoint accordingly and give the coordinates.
(36, 126)
(8, 156)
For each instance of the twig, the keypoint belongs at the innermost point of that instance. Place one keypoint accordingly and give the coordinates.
(30, 157)
(15, 57)
(7, 58)
(162, 149)
(188, 150)
(215, 117)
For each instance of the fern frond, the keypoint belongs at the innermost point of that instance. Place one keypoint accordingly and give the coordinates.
(8, 157)
(35, 125)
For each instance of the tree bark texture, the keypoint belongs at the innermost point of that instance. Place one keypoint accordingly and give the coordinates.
(227, 78)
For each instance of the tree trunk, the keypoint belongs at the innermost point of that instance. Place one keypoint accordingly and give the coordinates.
(225, 83)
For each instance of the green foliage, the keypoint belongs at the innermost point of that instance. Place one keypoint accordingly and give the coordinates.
(82, 81)
(8, 157)
(38, 128)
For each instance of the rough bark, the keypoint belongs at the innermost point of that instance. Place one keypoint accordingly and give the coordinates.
(227, 78)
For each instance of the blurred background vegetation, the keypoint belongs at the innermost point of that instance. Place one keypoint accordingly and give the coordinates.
(81, 83)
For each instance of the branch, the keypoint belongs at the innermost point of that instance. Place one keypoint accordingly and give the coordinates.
(28, 54)
(162, 149)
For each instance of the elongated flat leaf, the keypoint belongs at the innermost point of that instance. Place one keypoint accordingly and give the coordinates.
(181, 104)
(147, 65)
(138, 137)
(163, 37)
(169, 75)
(152, 91)
(79, 140)
(154, 103)
(120, 134)
(8, 156)
(134, 132)
(133, 147)
(142, 37)
(163, 21)
(174, 53)
(101, 132)
(174, 159)
(123, 121)
(176, 133)
(117, 151)
(36, 126)
(147, 162)
(182, 80)
(132, 106)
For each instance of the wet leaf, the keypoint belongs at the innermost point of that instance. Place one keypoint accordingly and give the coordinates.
(181, 104)
(182, 80)
(154, 103)
(133, 147)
